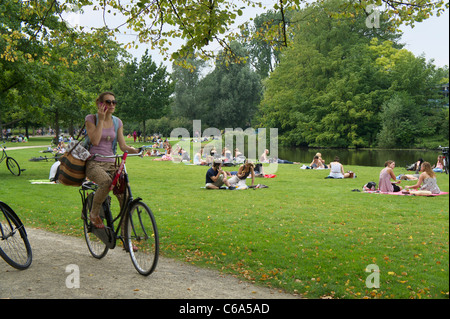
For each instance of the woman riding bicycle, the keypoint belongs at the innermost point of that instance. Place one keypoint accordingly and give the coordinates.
(104, 132)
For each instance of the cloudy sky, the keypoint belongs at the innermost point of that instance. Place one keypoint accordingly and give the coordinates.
(429, 38)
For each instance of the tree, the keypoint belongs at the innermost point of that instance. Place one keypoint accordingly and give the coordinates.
(144, 91)
(331, 84)
(231, 93)
(326, 91)
(264, 42)
(400, 119)
(187, 89)
(202, 22)
(49, 72)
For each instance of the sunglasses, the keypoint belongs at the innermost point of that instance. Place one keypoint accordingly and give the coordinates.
(109, 102)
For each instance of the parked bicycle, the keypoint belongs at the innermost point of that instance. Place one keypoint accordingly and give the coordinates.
(139, 233)
(15, 248)
(11, 163)
(445, 158)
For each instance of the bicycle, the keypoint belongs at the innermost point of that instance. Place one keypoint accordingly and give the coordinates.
(445, 159)
(43, 158)
(15, 248)
(140, 233)
(11, 163)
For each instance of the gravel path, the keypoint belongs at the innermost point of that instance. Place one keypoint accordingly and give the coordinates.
(58, 258)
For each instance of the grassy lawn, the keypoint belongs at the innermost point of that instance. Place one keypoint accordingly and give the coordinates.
(304, 234)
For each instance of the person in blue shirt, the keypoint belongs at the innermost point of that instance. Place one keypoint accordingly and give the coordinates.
(216, 177)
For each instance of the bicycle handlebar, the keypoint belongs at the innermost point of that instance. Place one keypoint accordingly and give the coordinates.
(142, 149)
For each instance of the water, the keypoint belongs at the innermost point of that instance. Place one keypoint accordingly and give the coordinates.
(359, 157)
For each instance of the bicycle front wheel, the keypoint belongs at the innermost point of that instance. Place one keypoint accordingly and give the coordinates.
(13, 166)
(142, 239)
(96, 247)
(14, 245)
(446, 164)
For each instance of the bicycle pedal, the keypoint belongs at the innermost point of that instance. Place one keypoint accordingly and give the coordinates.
(106, 235)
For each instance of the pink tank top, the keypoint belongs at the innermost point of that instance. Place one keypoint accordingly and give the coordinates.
(105, 145)
(385, 184)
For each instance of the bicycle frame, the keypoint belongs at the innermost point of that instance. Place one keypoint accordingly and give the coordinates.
(128, 199)
(445, 154)
(4, 155)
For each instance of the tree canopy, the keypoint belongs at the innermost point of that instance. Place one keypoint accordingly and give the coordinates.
(332, 82)
(203, 22)
(330, 74)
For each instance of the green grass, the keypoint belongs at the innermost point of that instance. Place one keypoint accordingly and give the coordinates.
(304, 234)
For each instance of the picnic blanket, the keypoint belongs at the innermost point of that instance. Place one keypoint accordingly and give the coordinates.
(243, 188)
(404, 193)
(41, 181)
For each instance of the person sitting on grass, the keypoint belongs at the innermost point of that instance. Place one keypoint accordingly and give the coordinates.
(319, 155)
(427, 180)
(216, 177)
(242, 174)
(386, 174)
(317, 163)
(264, 158)
(439, 167)
(167, 156)
(337, 170)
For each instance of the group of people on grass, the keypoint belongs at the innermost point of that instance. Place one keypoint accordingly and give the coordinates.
(216, 177)
(426, 180)
(105, 133)
(336, 168)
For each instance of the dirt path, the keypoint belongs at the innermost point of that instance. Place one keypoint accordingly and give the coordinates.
(114, 276)
(23, 147)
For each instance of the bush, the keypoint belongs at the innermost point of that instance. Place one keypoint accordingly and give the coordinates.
(165, 125)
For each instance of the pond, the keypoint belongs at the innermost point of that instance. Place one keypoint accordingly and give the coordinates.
(361, 157)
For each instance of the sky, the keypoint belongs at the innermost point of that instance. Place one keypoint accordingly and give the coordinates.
(429, 38)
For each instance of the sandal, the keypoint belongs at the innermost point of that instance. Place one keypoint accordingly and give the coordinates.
(97, 222)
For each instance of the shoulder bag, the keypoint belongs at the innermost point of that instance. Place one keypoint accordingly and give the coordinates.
(72, 170)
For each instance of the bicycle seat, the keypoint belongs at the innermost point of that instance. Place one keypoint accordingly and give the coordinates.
(89, 185)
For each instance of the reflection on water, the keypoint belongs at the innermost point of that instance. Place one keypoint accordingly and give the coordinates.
(359, 157)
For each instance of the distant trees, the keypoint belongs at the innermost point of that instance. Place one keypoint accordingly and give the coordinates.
(338, 81)
(143, 90)
(50, 73)
(313, 70)
(228, 96)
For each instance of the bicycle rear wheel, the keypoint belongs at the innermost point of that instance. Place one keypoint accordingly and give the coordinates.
(13, 166)
(142, 239)
(97, 248)
(446, 164)
(14, 245)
